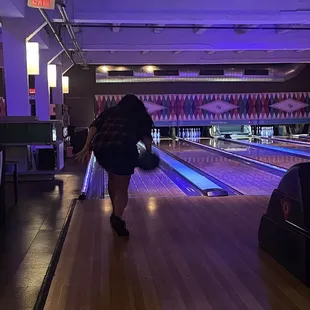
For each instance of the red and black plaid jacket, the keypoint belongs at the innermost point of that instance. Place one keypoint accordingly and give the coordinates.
(114, 128)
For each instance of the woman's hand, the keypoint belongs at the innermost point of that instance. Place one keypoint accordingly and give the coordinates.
(84, 155)
(147, 141)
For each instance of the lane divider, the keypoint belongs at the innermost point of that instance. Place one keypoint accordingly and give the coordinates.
(86, 182)
(206, 186)
(191, 175)
(288, 140)
(246, 160)
(271, 148)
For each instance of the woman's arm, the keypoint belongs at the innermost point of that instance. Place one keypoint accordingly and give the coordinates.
(91, 133)
(95, 127)
(84, 154)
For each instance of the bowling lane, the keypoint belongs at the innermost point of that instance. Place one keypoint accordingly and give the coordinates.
(151, 184)
(240, 176)
(276, 158)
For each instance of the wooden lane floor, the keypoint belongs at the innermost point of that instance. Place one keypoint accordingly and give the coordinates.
(152, 184)
(183, 253)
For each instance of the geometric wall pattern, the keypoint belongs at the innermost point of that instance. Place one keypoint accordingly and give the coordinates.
(212, 108)
(2, 107)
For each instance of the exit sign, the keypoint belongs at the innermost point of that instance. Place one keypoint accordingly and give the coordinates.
(42, 4)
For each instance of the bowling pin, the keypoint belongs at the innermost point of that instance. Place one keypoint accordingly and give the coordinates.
(158, 134)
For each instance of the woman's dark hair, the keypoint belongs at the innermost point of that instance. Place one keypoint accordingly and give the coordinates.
(131, 105)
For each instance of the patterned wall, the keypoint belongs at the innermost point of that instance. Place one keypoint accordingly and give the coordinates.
(203, 109)
(2, 107)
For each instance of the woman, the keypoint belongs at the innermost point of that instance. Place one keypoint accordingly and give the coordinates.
(113, 137)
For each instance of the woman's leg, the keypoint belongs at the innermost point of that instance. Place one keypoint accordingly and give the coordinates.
(120, 193)
(111, 188)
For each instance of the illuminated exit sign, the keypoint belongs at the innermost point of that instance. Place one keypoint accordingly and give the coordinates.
(42, 4)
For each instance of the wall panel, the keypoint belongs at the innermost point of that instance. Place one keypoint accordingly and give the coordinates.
(206, 109)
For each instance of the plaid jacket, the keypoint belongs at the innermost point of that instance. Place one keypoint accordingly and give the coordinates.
(113, 129)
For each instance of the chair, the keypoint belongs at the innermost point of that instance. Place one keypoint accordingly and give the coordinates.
(2, 186)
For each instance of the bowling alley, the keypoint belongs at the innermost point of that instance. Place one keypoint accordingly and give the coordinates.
(154, 155)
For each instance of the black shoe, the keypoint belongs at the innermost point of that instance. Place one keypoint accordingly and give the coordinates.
(112, 217)
(119, 226)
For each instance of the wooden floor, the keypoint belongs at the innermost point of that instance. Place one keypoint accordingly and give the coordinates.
(183, 253)
(28, 240)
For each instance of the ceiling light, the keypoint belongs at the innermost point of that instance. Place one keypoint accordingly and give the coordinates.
(65, 84)
(104, 68)
(149, 69)
(52, 75)
(33, 58)
(120, 68)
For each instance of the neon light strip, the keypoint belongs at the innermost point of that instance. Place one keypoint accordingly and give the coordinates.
(88, 174)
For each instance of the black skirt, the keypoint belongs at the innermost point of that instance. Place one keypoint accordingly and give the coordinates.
(118, 159)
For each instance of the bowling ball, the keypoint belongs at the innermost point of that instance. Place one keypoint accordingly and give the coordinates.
(148, 161)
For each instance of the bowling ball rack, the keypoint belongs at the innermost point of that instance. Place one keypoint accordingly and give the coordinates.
(284, 231)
